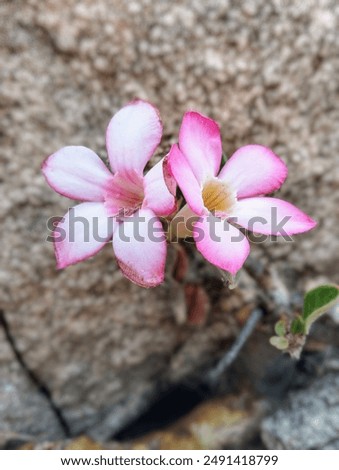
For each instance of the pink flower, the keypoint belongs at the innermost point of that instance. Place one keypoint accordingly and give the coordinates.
(233, 194)
(77, 172)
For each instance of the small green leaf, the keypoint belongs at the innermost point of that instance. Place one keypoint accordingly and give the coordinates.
(223, 159)
(280, 328)
(319, 298)
(298, 326)
(317, 302)
(279, 342)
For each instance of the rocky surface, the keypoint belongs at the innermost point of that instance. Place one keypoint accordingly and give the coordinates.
(309, 419)
(23, 409)
(267, 71)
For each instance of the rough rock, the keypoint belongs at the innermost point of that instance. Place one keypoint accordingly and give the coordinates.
(309, 419)
(23, 409)
(265, 70)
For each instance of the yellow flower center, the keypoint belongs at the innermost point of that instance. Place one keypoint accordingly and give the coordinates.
(217, 196)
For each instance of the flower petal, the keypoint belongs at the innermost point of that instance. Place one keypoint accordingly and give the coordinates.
(139, 245)
(271, 216)
(187, 182)
(182, 224)
(157, 195)
(126, 193)
(132, 135)
(78, 173)
(168, 177)
(82, 233)
(221, 243)
(254, 170)
(200, 142)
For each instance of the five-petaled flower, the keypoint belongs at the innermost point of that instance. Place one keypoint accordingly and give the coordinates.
(235, 194)
(77, 172)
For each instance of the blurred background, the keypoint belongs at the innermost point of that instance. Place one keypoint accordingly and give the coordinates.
(83, 352)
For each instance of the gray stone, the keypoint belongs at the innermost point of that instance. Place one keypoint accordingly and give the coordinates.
(309, 419)
(23, 409)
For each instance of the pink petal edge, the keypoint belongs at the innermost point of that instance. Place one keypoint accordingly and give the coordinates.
(168, 177)
(259, 214)
(71, 252)
(229, 251)
(200, 142)
(78, 173)
(158, 198)
(142, 262)
(254, 170)
(187, 182)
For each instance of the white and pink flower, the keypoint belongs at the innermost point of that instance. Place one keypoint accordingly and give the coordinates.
(125, 205)
(234, 194)
(77, 172)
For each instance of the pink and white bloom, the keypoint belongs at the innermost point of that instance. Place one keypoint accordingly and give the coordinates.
(77, 172)
(234, 194)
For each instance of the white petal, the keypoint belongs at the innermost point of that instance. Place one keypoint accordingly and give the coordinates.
(140, 248)
(83, 231)
(132, 136)
(78, 173)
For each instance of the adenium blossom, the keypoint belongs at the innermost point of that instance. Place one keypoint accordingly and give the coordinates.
(77, 172)
(233, 194)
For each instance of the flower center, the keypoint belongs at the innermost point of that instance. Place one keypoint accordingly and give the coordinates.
(126, 193)
(217, 196)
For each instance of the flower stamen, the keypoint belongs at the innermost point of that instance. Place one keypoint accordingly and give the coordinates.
(217, 196)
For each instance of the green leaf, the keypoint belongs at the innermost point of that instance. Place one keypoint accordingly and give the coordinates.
(279, 342)
(319, 298)
(280, 328)
(298, 326)
(223, 159)
(317, 302)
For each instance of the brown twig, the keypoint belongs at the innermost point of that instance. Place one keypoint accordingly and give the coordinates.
(215, 375)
